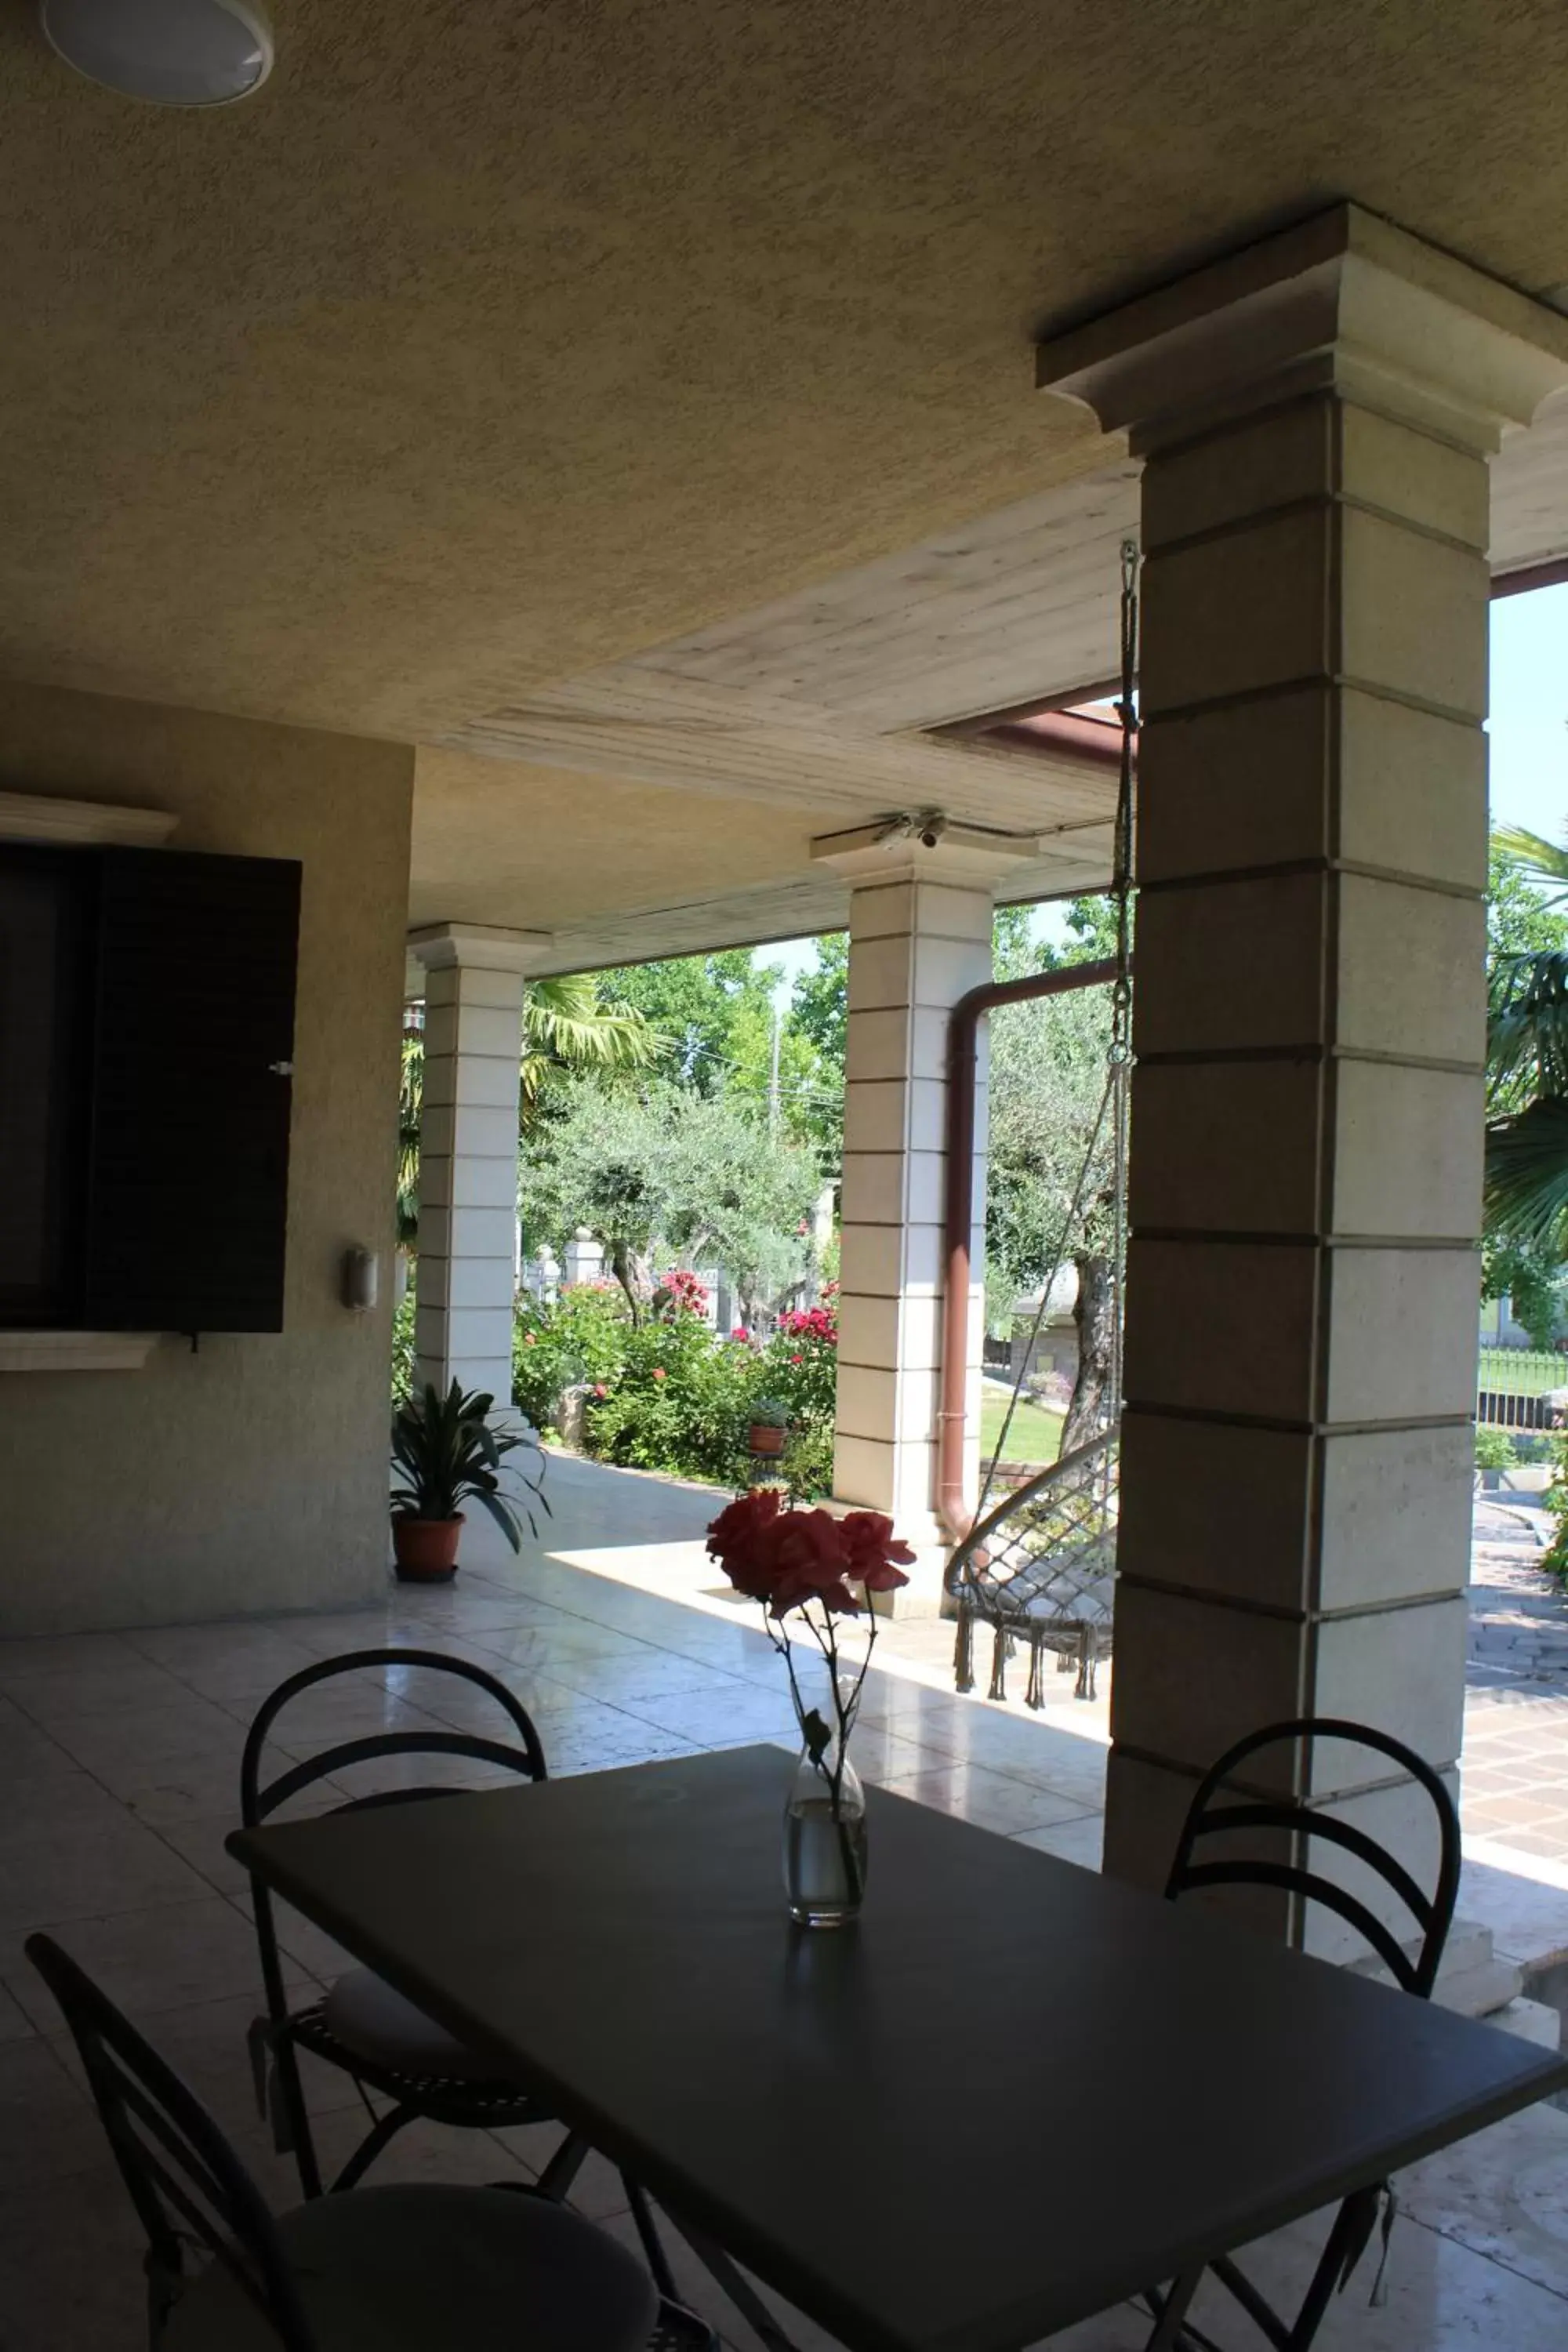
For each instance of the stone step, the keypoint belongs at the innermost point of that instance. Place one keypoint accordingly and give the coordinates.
(1479, 1992)
(1532, 2020)
(1473, 1980)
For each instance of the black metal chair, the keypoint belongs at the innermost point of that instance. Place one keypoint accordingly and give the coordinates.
(387, 2045)
(403, 2269)
(1217, 1812)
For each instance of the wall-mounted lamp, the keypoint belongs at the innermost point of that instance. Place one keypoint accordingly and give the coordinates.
(359, 1279)
(174, 52)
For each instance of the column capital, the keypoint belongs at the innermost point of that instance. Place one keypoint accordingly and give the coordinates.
(894, 849)
(1343, 302)
(481, 945)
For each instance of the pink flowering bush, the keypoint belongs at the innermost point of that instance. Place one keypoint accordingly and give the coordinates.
(670, 1395)
(680, 1293)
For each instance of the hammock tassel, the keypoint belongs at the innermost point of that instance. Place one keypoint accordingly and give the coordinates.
(999, 1648)
(964, 1647)
(1035, 1695)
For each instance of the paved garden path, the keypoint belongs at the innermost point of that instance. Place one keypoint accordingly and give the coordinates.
(1516, 1713)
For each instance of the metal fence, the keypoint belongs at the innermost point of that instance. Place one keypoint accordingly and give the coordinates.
(1522, 1387)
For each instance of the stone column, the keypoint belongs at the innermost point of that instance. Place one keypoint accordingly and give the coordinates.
(1315, 415)
(467, 1154)
(919, 938)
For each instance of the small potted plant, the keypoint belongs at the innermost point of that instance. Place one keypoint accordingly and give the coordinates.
(446, 1454)
(769, 1429)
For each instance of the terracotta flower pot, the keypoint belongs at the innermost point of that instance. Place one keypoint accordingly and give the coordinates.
(425, 1550)
(768, 1438)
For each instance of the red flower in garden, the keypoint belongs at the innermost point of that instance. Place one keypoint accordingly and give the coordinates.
(600, 1389)
(659, 1373)
(797, 1360)
(741, 1333)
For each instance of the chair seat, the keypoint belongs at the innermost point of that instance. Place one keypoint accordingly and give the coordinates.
(363, 2013)
(483, 2269)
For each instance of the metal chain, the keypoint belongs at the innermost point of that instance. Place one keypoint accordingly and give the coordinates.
(1121, 1050)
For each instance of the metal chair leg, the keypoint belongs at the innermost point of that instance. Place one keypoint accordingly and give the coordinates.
(730, 2279)
(383, 2130)
(555, 2180)
(1169, 2332)
(652, 2244)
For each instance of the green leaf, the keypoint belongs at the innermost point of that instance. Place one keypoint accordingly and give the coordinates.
(818, 1734)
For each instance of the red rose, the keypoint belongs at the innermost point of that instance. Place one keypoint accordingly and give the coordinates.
(797, 1360)
(659, 1373)
(872, 1551)
(734, 1541)
(807, 1557)
(600, 1389)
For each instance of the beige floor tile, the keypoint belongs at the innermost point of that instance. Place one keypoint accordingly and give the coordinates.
(48, 2129)
(84, 1872)
(1079, 1840)
(987, 1799)
(1503, 2193)
(157, 1958)
(70, 2255)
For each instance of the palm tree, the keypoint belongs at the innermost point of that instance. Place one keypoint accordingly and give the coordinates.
(569, 1028)
(1527, 1068)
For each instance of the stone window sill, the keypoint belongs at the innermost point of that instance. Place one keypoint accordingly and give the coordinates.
(76, 1351)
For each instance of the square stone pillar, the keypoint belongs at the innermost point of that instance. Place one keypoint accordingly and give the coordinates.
(468, 1153)
(1315, 416)
(920, 940)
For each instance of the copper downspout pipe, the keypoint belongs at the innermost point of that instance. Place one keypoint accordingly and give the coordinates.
(958, 1210)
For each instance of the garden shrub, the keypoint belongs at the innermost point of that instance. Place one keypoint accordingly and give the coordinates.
(1495, 1450)
(669, 1395)
(1555, 1560)
(403, 1347)
(582, 1338)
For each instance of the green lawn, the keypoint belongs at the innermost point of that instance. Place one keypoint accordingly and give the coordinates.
(1034, 1435)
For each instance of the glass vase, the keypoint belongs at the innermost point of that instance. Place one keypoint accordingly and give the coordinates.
(825, 1850)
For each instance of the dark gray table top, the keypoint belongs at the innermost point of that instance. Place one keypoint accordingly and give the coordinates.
(1012, 2094)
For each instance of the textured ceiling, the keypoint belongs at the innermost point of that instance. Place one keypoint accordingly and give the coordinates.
(494, 342)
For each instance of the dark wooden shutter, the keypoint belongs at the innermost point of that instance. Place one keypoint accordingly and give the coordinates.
(193, 1041)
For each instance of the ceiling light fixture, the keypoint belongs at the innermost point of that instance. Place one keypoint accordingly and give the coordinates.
(172, 52)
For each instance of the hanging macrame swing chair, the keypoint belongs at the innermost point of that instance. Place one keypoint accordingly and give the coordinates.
(1040, 1569)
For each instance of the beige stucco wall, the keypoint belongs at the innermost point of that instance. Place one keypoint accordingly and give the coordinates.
(252, 1474)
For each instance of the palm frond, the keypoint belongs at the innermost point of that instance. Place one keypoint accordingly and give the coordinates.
(1527, 1176)
(569, 1020)
(1527, 1023)
(1542, 864)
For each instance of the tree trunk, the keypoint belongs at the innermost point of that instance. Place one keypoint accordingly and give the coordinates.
(633, 1270)
(1092, 1311)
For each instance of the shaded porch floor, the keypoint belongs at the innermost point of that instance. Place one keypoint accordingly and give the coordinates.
(120, 1755)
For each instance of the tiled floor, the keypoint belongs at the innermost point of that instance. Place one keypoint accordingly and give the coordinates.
(119, 1756)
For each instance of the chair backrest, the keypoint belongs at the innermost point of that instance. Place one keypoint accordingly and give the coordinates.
(1208, 1817)
(188, 2186)
(526, 1759)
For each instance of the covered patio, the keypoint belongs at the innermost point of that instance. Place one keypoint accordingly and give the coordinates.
(529, 490)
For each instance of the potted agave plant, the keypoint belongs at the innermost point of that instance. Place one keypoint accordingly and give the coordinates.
(446, 1454)
(769, 1428)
